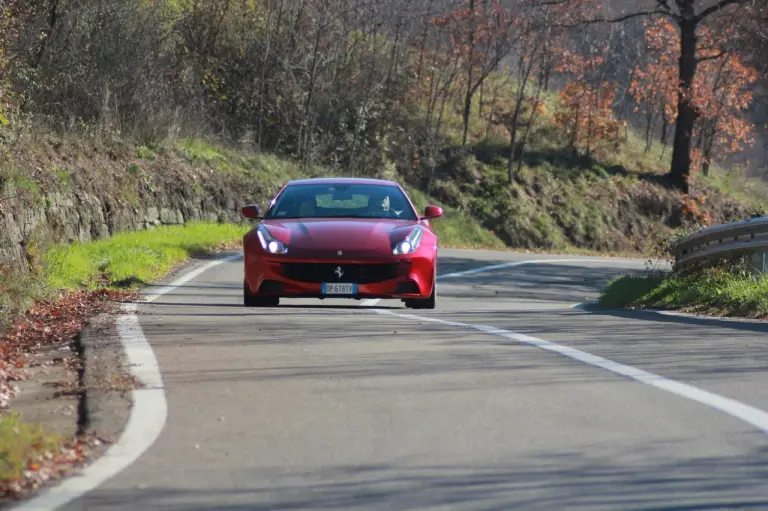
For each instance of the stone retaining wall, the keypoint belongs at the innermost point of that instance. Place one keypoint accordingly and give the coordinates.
(83, 215)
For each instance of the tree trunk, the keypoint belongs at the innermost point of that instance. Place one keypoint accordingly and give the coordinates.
(266, 65)
(53, 18)
(480, 102)
(470, 67)
(305, 133)
(511, 161)
(393, 57)
(513, 124)
(434, 88)
(649, 129)
(706, 158)
(489, 123)
(529, 126)
(423, 42)
(686, 112)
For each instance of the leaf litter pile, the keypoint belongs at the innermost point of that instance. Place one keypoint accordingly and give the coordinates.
(34, 458)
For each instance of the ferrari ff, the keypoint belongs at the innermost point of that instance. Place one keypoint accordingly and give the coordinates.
(340, 238)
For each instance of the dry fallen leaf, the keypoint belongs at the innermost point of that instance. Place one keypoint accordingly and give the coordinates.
(49, 323)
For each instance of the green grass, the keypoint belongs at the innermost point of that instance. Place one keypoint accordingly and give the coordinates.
(751, 192)
(18, 291)
(199, 150)
(454, 229)
(268, 170)
(133, 258)
(628, 291)
(713, 291)
(21, 445)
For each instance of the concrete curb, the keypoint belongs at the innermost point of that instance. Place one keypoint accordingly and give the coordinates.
(732, 322)
(105, 399)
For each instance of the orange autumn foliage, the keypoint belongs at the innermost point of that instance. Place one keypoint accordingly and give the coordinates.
(587, 115)
(721, 91)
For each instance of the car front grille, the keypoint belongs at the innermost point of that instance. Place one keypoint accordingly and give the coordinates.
(357, 273)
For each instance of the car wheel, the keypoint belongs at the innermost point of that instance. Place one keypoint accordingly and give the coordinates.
(427, 303)
(249, 300)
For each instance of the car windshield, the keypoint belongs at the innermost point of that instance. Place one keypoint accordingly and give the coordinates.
(342, 200)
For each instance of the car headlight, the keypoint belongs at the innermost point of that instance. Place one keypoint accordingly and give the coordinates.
(410, 243)
(269, 243)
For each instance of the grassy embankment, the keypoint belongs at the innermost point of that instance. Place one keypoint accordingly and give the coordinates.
(134, 258)
(717, 292)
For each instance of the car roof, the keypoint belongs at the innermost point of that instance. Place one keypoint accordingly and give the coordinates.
(342, 180)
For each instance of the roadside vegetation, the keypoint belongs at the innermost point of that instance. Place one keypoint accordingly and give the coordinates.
(30, 457)
(22, 445)
(133, 259)
(528, 117)
(727, 289)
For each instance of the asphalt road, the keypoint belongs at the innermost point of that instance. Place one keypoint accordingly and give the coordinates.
(336, 406)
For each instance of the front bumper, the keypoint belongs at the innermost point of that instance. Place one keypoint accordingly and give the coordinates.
(403, 277)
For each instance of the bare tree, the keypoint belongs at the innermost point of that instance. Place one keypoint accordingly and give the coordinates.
(688, 15)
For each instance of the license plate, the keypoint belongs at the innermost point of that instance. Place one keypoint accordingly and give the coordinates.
(335, 288)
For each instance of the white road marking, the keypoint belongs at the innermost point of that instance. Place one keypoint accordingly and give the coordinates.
(484, 269)
(148, 412)
(749, 414)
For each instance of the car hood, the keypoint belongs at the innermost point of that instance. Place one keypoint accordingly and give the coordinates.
(311, 237)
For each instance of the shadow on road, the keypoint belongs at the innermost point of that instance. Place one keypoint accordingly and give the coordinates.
(593, 480)
(550, 281)
(568, 282)
(735, 324)
(353, 305)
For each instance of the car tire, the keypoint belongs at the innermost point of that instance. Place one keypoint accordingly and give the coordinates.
(249, 300)
(427, 303)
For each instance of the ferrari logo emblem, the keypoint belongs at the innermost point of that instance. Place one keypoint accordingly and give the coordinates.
(339, 272)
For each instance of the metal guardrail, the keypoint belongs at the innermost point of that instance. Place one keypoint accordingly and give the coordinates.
(747, 237)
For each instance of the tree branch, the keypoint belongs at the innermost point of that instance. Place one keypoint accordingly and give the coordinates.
(664, 4)
(722, 4)
(712, 57)
(620, 19)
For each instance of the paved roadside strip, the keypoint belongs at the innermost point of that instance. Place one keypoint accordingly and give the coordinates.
(148, 409)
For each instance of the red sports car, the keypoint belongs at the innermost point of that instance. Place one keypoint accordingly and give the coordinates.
(340, 238)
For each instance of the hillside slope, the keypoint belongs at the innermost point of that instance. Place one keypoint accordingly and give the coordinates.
(75, 188)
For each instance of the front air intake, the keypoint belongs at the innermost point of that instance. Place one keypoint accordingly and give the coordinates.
(359, 273)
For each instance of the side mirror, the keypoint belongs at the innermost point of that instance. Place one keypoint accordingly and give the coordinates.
(251, 211)
(432, 212)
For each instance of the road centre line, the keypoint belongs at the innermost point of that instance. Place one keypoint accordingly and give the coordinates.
(484, 269)
(749, 414)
